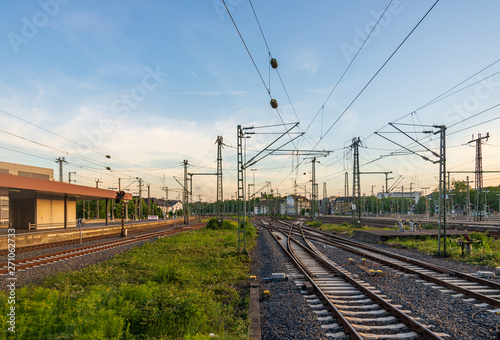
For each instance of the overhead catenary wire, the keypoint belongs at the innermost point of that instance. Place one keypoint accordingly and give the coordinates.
(375, 75)
(348, 67)
(65, 138)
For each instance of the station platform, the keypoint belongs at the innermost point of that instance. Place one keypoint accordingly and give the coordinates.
(25, 237)
(374, 236)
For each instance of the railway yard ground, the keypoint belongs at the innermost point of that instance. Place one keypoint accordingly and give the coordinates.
(192, 283)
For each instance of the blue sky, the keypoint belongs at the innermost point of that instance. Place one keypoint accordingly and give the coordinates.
(152, 83)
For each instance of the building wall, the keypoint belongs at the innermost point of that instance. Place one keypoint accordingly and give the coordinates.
(27, 171)
(50, 212)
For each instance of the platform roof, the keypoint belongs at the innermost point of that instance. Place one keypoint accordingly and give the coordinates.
(26, 185)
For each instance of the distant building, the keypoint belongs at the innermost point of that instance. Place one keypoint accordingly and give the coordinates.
(415, 195)
(342, 206)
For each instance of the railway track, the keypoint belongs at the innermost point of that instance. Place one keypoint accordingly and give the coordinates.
(486, 291)
(361, 310)
(84, 239)
(63, 255)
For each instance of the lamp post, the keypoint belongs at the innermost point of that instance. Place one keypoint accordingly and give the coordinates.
(253, 184)
(485, 192)
(451, 207)
(426, 203)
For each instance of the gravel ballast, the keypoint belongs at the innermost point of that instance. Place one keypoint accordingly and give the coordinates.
(441, 311)
(285, 314)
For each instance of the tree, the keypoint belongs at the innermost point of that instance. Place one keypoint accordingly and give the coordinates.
(420, 207)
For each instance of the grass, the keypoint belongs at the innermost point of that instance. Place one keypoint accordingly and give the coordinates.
(181, 287)
(485, 250)
(347, 229)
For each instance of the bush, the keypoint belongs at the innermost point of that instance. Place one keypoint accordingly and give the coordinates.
(215, 223)
(315, 224)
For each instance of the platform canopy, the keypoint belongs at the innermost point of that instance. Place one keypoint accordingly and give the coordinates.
(19, 185)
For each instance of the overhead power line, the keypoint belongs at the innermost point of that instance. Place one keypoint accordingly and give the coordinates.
(374, 76)
(349, 66)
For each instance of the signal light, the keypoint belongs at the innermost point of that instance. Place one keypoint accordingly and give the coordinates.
(119, 196)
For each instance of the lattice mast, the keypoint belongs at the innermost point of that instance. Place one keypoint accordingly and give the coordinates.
(220, 196)
(479, 174)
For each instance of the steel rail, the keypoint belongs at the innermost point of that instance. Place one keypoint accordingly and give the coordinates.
(62, 255)
(396, 312)
(410, 260)
(338, 242)
(353, 334)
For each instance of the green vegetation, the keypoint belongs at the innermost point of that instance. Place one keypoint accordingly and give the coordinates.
(485, 250)
(347, 229)
(314, 224)
(179, 287)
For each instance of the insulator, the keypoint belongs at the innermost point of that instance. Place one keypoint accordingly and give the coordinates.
(274, 104)
(274, 63)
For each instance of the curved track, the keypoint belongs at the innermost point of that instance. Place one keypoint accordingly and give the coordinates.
(481, 289)
(361, 310)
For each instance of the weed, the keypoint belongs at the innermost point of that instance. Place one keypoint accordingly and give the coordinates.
(176, 287)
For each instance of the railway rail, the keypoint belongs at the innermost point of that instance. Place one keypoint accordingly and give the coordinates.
(361, 310)
(86, 239)
(486, 291)
(63, 255)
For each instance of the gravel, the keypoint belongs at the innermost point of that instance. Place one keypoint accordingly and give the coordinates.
(285, 314)
(443, 312)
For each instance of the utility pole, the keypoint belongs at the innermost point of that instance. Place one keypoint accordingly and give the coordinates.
(412, 201)
(61, 160)
(240, 195)
(253, 185)
(325, 208)
(166, 202)
(402, 199)
(442, 188)
(356, 191)
(346, 185)
(314, 198)
(185, 202)
(220, 197)
(479, 173)
(97, 201)
(295, 198)
(140, 199)
(468, 198)
(426, 202)
(149, 200)
(69, 177)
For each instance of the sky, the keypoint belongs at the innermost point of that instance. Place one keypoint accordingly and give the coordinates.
(153, 83)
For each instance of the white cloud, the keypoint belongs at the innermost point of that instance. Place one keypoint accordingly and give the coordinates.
(307, 61)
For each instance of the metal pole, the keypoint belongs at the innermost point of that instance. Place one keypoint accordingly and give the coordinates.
(185, 202)
(97, 201)
(468, 199)
(149, 199)
(140, 199)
